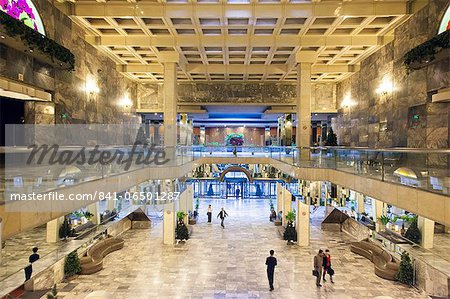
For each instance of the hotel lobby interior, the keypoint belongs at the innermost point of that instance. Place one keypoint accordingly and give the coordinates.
(130, 129)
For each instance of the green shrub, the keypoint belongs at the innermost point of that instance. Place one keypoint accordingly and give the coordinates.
(181, 215)
(413, 233)
(181, 231)
(72, 266)
(65, 230)
(406, 271)
(33, 39)
(290, 233)
(290, 216)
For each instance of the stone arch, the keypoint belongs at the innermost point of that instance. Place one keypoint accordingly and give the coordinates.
(236, 169)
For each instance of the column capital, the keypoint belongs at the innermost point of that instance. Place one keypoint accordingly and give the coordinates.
(166, 58)
(309, 57)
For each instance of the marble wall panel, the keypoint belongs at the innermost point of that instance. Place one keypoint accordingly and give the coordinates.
(385, 120)
(68, 87)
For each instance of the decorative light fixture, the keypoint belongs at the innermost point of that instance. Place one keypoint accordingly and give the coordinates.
(91, 87)
(126, 102)
(347, 102)
(385, 87)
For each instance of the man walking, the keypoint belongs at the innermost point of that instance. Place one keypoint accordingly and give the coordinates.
(29, 269)
(222, 214)
(271, 262)
(318, 261)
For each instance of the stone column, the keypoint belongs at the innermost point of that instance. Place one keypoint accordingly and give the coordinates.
(53, 230)
(288, 129)
(170, 103)
(112, 203)
(202, 140)
(426, 227)
(303, 224)
(183, 129)
(279, 198)
(287, 204)
(183, 205)
(360, 202)
(1, 239)
(378, 210)
(303, 133)
(94, 209)
(169, 222)
(190, 197)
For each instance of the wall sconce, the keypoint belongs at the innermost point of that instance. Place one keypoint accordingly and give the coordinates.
(347, 102)
(92, 89)
(126, 102)
(385, 87)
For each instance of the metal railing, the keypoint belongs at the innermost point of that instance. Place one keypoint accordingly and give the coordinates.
(426, 169)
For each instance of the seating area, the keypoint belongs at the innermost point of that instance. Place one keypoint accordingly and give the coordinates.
(385, 265)
(93, 261)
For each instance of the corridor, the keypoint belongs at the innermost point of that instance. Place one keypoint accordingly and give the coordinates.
(229, 263)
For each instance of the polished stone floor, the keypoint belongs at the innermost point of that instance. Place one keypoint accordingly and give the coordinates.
(229, 263)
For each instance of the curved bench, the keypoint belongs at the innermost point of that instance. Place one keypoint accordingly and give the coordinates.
(385, 266)
(93, 261)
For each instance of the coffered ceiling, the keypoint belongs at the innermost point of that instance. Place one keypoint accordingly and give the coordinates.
(237, 40)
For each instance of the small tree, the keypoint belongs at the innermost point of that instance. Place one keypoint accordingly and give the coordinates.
(331, 138)
(72, 266)
(65, 230)
(181, 231)
(290, 233)
(413, 232)
(53, 294)
(406, 271)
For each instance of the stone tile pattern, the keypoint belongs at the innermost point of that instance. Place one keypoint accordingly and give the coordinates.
(229, 263)
(386, 121)
(323, 95)
(69, 87)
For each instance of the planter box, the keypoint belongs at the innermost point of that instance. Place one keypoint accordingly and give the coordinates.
(17, 44)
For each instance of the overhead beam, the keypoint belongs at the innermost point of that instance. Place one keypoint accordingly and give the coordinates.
(237, 69)
(298, 10)
(209, 41)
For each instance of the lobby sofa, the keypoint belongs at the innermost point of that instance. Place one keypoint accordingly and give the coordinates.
(385, 266)
(92, 262)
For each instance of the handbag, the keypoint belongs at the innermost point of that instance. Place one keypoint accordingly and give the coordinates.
(315, 273)
(330, 271)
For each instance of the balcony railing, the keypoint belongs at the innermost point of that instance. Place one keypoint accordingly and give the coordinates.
(425, 169)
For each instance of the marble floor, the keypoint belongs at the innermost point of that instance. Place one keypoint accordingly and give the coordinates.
(229, 263)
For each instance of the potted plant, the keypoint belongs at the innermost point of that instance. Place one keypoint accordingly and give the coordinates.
(271, 204)
(383, 220)
(406, 271)
(72, 265)
(181, 231)
(88, 215)
(192, 218)
(65, 230)
(290, 233)
(413, 232)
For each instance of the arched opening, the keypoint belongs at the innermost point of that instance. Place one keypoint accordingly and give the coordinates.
(24, 11)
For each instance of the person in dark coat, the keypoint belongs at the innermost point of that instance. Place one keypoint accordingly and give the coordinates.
(222, 214)
(209, 213)
(327, 266)
(29, 269)
(271, 262)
